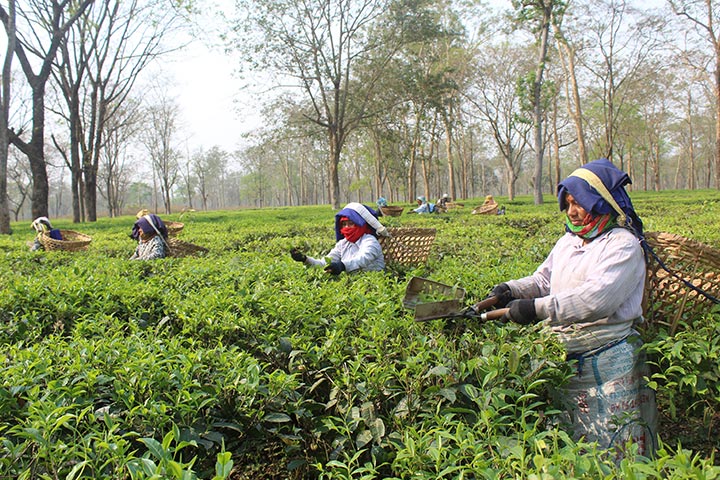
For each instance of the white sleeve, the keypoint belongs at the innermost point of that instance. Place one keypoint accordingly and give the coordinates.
(368, 253)
(334, 254)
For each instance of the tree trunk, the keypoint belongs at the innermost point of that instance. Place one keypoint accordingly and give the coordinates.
(573, 95)
(35, 151)
(717, 114)
(448, 152)
(4, 118)
(90, 189)
(537, 98)
(334, 163)
(412, 193)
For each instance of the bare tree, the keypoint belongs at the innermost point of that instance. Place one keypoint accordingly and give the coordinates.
(567, 54)
(111, 44)
(20, 186)
(626, 41)
(537, 16)
(703, 15)
(158, 138)
(188, 179)
(208, 168)
(495, 99)
(4, 118)
(319, 44)
(120, 129)
(56, 17)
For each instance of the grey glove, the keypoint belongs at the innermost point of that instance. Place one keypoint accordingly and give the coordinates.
(521, 311)
(503, 294)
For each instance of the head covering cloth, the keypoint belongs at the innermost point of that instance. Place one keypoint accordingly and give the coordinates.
(149, 223)
(360, 215)
(42, 224)
(599, 188)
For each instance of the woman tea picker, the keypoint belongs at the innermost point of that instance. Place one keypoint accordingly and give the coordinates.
(589, 292)
(42, 225)
(357, 247)
(151, 233)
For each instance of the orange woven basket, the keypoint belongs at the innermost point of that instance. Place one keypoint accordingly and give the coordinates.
(391, 211)
(72, 241)
(669, 294)
(406, 245)
(491, 209)
(174, 228)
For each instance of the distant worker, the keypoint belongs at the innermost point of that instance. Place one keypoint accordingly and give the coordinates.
(357, 247)
(423, 206)
(489, 207)
(442, 203)
(381, 202)
(42, 226)
(151, 234)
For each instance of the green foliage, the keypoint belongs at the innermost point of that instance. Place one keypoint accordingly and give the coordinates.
(687, 366)
(246, 361)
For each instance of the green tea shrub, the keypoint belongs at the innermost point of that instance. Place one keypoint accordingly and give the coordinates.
(687, 367)
(243, 363)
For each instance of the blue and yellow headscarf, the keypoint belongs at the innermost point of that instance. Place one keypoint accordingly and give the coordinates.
(599, 188)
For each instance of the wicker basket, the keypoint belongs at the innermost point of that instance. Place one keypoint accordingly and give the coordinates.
(72, 241)
(669, 299)
(407, 246)
(391, 211)
(174, 228)
(179, 249)
(491, 209)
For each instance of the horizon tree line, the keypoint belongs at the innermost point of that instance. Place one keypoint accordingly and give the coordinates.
(382, 97)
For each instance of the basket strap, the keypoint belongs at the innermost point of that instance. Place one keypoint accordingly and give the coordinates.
(649, 250)
(147, 217)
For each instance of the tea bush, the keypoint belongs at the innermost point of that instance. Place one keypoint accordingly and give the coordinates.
(245, 364)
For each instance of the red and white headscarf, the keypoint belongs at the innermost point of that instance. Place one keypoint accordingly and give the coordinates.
(361, 216)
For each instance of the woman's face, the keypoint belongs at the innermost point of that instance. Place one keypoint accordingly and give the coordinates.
(145, 236)
(575, 212)
(346, 223)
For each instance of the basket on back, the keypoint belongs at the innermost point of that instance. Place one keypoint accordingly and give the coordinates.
(179, 248)
(72, 241)
(490, 209)
(407, 246)
(668, 297)
(174, 228)
(391, 211)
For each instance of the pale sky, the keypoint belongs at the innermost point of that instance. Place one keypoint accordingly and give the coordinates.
(215, 110)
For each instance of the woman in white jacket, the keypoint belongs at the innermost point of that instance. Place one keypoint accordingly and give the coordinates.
(589, 292)
(357, 247)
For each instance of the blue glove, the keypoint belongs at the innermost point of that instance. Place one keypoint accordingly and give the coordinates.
(521, 311)
(503, 294)
(335, 268)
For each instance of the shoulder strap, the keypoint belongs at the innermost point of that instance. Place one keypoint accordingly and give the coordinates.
(149, 219)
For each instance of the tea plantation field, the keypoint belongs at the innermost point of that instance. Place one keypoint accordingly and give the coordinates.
(244, 364)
